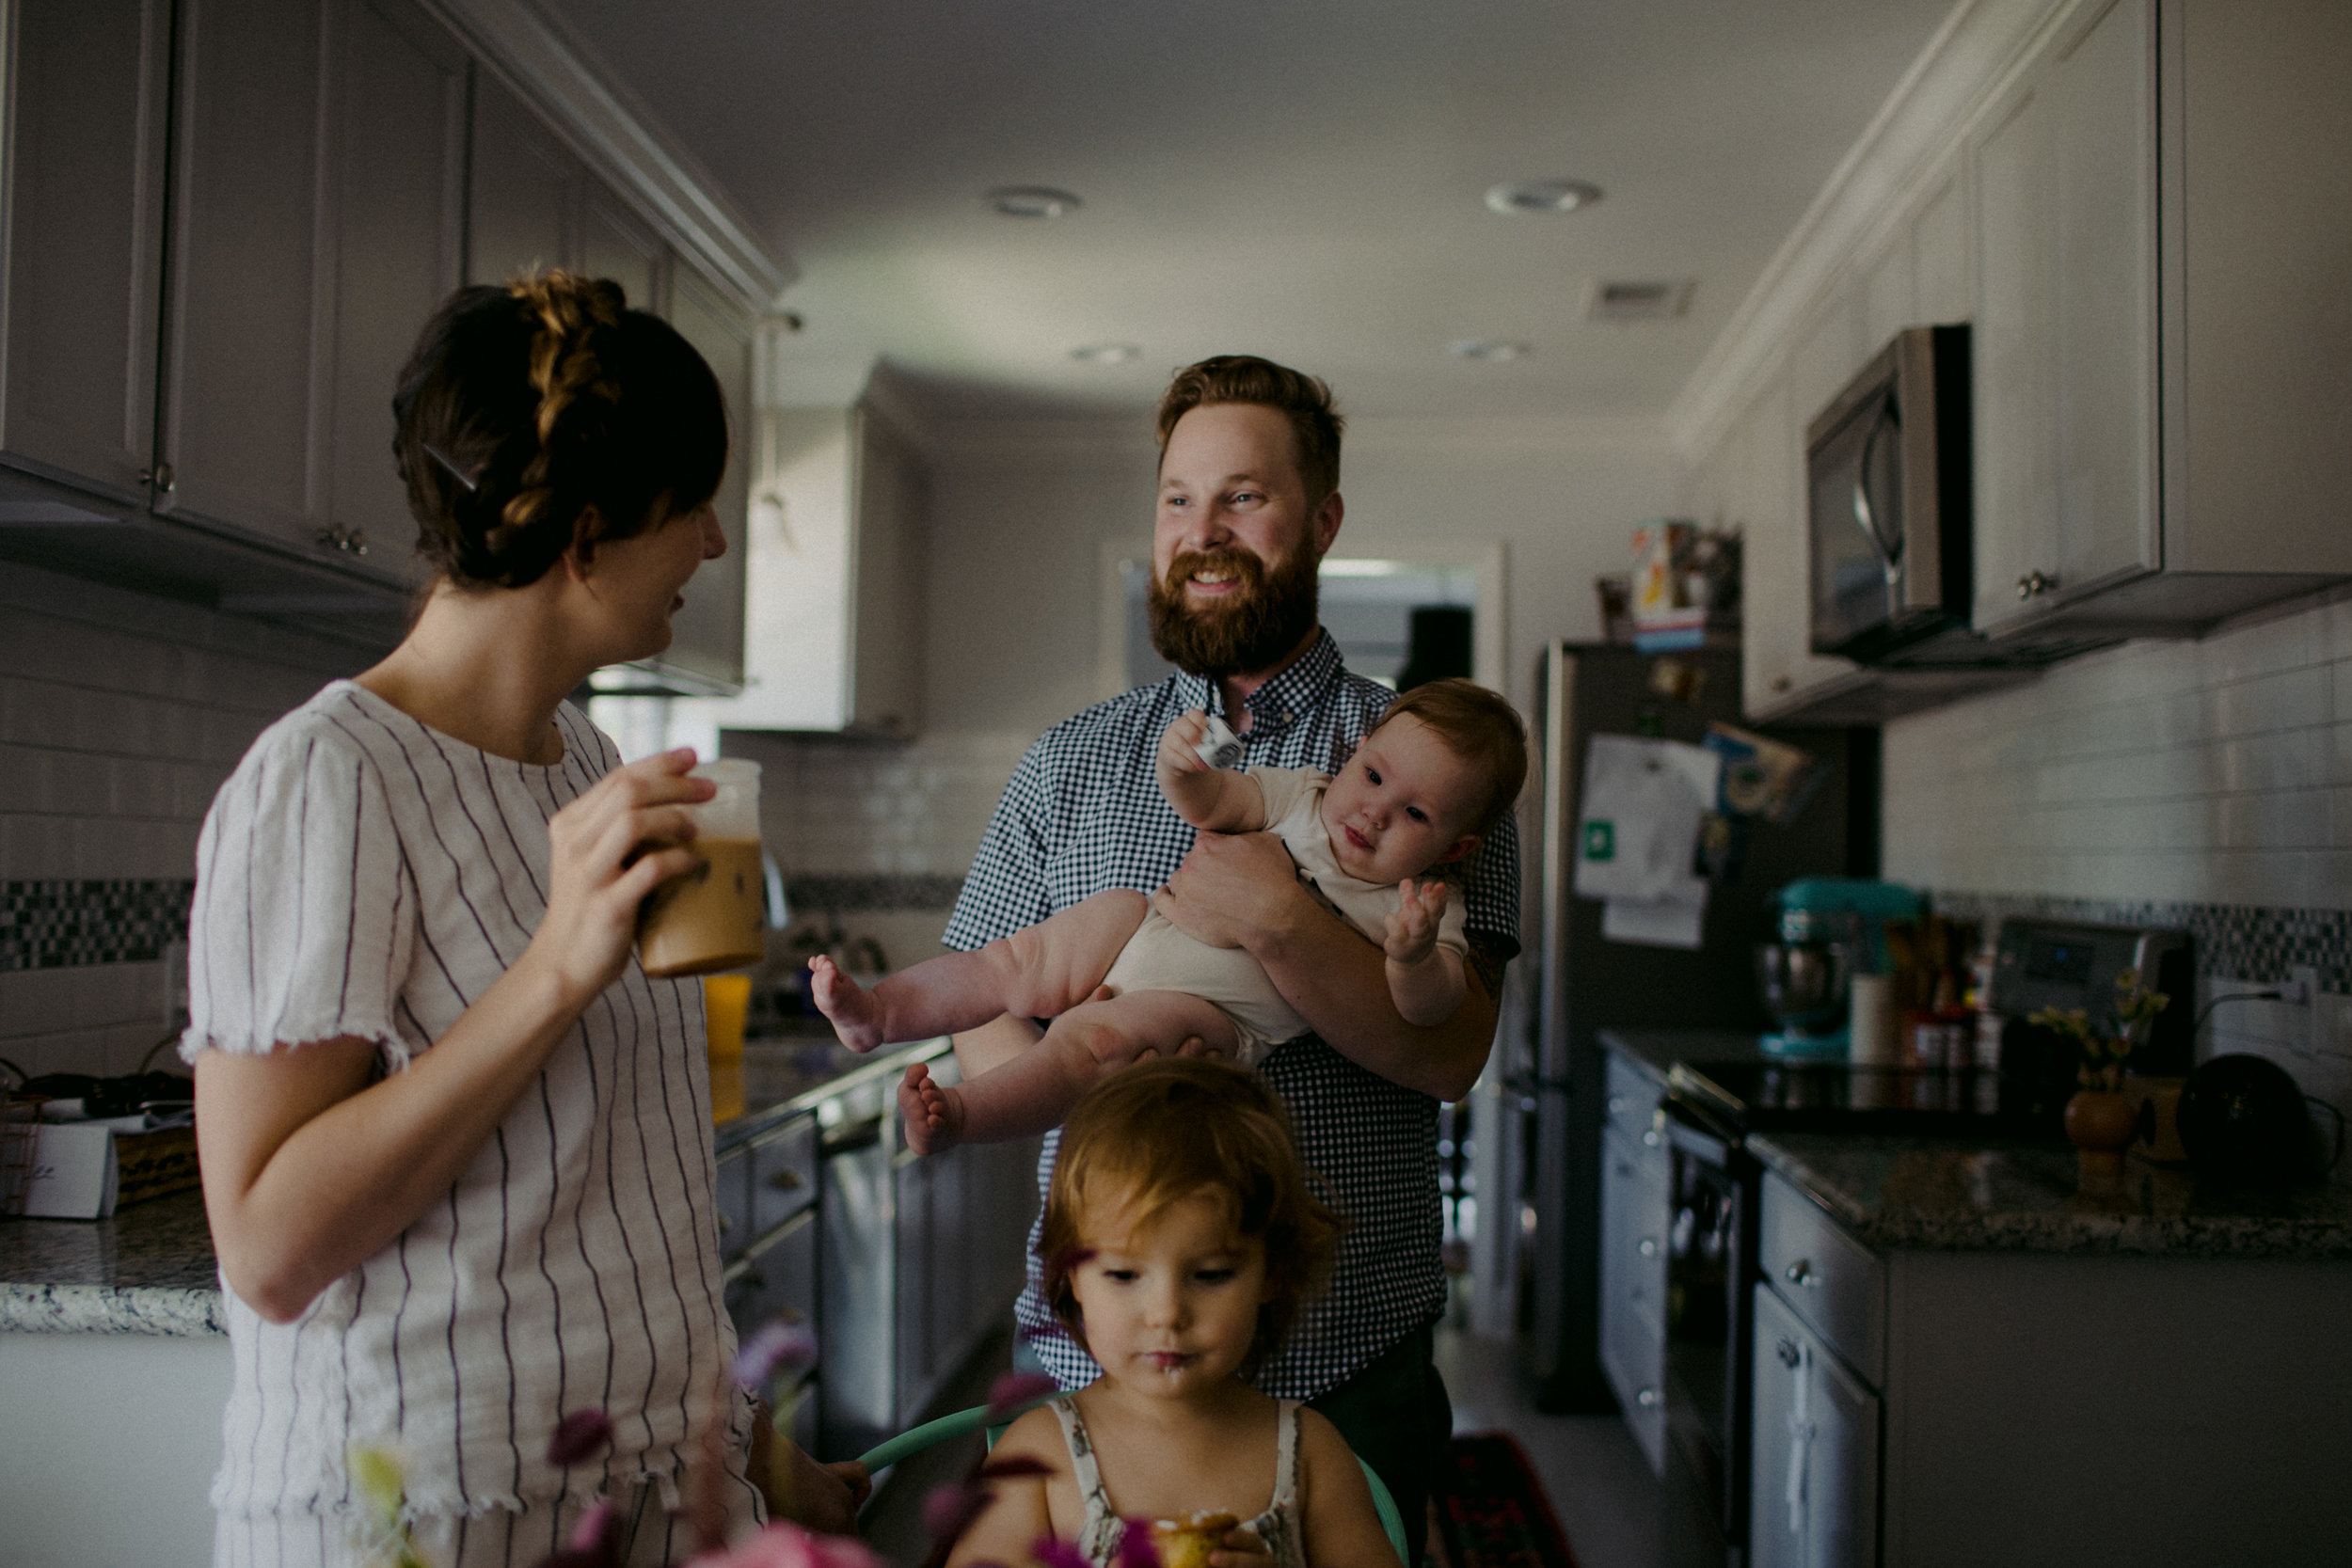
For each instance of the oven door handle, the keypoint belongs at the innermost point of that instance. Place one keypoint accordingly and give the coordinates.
(1693, 1137)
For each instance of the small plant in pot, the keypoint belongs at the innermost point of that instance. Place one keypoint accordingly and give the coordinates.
(2099, 1119)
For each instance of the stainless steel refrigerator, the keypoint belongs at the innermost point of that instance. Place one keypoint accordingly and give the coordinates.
(1555, 1077)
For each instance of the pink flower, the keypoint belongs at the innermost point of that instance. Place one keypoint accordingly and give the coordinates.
(578, 1436)
(1013, 1466)
(1135, 1549)
(949, 1510)
(783, 1545)
(1049, 1552)
(1012, 1391)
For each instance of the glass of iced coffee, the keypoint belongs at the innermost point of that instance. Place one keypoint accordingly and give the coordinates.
(714, 916)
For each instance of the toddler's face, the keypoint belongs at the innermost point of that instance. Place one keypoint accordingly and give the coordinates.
(1171, 1303)
(1403, 804)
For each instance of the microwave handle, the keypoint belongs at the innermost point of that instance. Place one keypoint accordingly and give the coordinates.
(1864, 515)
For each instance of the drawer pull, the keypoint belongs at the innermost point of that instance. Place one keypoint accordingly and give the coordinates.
(1648, 1247)
(160, 476)
(1802, 1272)
(786, 1181)
(725, 1225)
(1651, 1139)
(1786, 1351)
(1646, 1398)
(1617, 1104)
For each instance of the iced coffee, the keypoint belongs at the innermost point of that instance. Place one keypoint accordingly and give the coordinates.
(712, 917)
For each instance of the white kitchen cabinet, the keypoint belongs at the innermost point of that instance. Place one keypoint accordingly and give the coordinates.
(2162, 435)
(833, 597)
(315, 224)
(706, 653)
(1635, 1210)
(86, 117)
(1813, 1479)
(525, 190)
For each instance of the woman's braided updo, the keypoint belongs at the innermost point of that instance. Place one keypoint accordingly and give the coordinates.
(524, 406)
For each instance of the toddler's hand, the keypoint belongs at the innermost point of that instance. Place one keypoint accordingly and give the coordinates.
(1180, 747)
(1241, 1548)
(1412, 930)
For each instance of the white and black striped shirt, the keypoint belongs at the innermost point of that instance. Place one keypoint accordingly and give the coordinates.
(1083, 812)
(362, 874)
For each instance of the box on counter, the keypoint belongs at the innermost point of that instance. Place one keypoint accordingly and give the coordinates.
(86, 1170)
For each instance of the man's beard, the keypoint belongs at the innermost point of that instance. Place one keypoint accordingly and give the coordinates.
(1246, 631)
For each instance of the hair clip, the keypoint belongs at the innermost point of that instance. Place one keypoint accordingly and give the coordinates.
(455, 471)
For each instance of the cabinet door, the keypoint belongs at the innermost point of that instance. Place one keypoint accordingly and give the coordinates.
(1633, 1218)
(887, 630)
(708, 641)
(1813, 1498)
(613, 243)
(2065, 395)
(401, 118)
(84, 280)
(525, 190)
(912, 1243)
(244, 425)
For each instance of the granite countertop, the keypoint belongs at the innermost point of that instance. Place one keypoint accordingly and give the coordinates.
(1656, 1051)
(1960, 1196)
(151, 1270)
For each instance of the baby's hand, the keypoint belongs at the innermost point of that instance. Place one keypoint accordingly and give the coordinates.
(1180, 747)
(1412, 930)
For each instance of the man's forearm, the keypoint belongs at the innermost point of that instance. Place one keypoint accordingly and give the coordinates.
(1338, 983)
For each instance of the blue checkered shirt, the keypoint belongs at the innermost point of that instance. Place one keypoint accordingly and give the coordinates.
(1083, 812)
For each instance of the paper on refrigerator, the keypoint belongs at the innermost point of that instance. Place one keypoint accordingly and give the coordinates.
(1637, 837)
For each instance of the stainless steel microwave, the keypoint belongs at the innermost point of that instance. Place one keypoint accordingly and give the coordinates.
(1887, 471)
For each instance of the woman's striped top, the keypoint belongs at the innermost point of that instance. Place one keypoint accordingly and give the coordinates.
(362, 874)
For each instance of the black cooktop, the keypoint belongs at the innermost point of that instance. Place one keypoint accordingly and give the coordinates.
(1831, 1096)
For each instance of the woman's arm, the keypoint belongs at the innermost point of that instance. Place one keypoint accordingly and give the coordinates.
(1214, 799)
(1343, 1527)
(309, 1169)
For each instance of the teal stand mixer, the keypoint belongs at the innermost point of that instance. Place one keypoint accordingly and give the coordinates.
(1830, 930)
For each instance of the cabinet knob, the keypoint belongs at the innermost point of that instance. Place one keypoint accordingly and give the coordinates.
(1800, 1273)
(1617, 1104)
(1646, 1398)
(1786, 1351)
(725, 1225)
(351, 541)
(1782, 682)
(1648, 1246)
(1650, 1139)
(2035, 583)
(160, 476)
(786, 1182)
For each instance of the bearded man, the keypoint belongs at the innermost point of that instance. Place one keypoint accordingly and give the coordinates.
(1249, 505)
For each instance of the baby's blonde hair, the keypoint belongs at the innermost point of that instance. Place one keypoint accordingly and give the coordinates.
(1167, 1130)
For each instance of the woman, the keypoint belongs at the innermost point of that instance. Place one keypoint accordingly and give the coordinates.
(456, 1146)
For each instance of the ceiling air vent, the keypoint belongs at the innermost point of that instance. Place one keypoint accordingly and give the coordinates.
(1637, 302)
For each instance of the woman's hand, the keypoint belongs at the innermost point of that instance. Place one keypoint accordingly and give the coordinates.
(603, 861)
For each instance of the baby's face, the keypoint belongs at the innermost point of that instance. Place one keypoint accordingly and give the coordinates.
(1403, 804)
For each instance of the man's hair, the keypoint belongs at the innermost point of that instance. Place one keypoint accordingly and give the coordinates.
(1479, 727)
(1303, 400)
(1174, 1128)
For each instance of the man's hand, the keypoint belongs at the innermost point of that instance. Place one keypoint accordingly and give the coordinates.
(1412, 930)
(1236, 890)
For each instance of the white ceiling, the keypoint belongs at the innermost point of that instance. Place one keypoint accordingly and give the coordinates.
(1300, 179)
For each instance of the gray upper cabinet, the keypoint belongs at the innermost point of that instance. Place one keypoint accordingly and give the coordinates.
(525, 190)
(707, 647)
(2163, 438)
(613, 243)
(86, 106)
(315, 223)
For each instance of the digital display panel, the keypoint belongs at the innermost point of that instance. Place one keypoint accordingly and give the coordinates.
(2058, 960)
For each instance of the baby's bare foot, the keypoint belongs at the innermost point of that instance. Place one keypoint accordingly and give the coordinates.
(856, 1012)
(934, 1112)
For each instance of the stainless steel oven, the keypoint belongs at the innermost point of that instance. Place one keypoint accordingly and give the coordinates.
(1888, 501)
(1710, 1260)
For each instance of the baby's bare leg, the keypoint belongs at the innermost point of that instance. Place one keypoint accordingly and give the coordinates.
(1035, 1090)
(1041, 971)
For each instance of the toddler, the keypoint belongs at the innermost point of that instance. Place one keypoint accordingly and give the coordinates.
(1443, 765)
(1180, 1237)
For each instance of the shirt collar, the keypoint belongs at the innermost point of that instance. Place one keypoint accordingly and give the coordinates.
(1299, 688)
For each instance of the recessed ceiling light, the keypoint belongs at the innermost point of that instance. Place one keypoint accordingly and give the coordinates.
(1491, 350)
(1032, 201)
(1105, 354)
(1542, 196)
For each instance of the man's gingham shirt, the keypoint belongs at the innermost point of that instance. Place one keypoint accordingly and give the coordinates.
(1083, 812)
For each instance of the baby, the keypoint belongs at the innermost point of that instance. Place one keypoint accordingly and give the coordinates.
(1440, 769)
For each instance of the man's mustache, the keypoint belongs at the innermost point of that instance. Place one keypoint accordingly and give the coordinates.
(1231, 563)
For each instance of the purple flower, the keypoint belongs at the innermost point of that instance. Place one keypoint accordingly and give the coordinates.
(775, 1347)
(1013, 1466)
(1046, 1552)
(949, 1510)
(578, 1436)
(595, 1540)
(1135, 1549)
(783, 1545)
(1012, 1391)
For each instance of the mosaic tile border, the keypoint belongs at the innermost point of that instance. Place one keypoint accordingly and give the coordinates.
(2235, 941)
(65, 925)
(863, 894)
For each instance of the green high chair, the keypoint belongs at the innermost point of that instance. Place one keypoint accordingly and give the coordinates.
(891, 1449)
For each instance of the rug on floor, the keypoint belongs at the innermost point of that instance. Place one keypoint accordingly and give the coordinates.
(1491, 1510)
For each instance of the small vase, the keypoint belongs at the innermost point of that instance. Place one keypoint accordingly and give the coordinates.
(2099, 1123)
